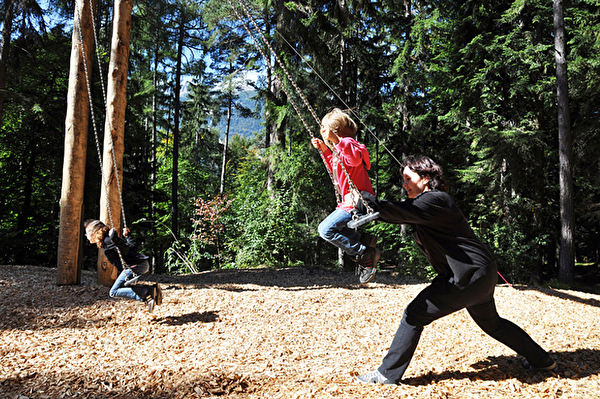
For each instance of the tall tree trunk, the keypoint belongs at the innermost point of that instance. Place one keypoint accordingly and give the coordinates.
(154, 145)
(344, 52)
(343, 71)
(277, 131)
(76, 130)
(268, 124)
(177, 105)
(566, 262)
(226, 144)
(114, 129)
(4, 49)
(274, 132)
(538, 249)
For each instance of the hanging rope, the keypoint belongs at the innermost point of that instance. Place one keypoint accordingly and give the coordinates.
(338, 97)
(338, 193)
(89, 92)
(356, 219)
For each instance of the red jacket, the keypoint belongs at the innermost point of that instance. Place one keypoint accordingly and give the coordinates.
(355, 157)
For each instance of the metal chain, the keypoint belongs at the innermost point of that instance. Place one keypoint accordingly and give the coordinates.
(339, 98)
(97, 45)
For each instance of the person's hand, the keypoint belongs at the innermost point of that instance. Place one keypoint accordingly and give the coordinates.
(112, 234)
(318, 144)
(369, 199)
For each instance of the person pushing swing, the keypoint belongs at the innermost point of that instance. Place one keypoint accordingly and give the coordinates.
(466, 272)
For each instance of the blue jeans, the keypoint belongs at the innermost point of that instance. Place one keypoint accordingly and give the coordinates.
(334, 230)
(118, 291)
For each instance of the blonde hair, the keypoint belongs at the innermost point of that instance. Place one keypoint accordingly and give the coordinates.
(99, 231)
(339, 123)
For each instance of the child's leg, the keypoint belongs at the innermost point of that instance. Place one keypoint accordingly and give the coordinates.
(368, 240)
(118, 291)
(334, 230)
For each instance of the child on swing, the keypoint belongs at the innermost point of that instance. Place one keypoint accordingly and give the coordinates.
(338, 131)
(110, 242)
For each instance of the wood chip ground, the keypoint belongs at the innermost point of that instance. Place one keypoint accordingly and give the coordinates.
(264, 333)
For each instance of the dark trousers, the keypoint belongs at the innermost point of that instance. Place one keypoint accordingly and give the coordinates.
(442, 298)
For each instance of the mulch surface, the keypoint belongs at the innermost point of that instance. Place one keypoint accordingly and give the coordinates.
(264, 333)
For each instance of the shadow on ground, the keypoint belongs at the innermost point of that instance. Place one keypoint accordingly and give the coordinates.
(195, 317)
(285, 278)
(578, 364)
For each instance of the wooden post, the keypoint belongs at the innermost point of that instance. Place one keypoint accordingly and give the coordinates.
(76, 132)
(114, 127)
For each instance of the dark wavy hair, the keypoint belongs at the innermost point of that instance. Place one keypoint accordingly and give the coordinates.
(426, 166)
(99, 230)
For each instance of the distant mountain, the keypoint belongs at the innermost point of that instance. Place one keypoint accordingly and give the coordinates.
(247, 127)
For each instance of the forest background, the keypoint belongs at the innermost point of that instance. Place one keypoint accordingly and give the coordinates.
(470, 83)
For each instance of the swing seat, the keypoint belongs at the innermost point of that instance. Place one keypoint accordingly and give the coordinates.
(138, 271)
(132, 280)
(362, 220)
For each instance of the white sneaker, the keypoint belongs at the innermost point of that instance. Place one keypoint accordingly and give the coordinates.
(150, 305)
(374, 377)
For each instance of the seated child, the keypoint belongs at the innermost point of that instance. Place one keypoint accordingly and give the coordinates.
(338, 130)
(136, 263)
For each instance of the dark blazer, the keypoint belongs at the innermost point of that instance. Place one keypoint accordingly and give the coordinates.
(441, 232)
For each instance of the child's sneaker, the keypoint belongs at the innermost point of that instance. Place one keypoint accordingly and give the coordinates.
(150, 305)
(159, 295)
(151, 296)
(368, 264)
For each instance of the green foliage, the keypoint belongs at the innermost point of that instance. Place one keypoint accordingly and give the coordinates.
(31, 142)
(210, 223)
(179, 260)
(470, 84)
(272, 237)
(271, 229)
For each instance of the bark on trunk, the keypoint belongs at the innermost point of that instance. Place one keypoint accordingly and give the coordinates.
(175, 169)
(566, 262)
(70, 236)
(114, 129)
(4, 49)
(226, 145)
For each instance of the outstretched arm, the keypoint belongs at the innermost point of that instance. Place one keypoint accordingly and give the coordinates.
(412, 211)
